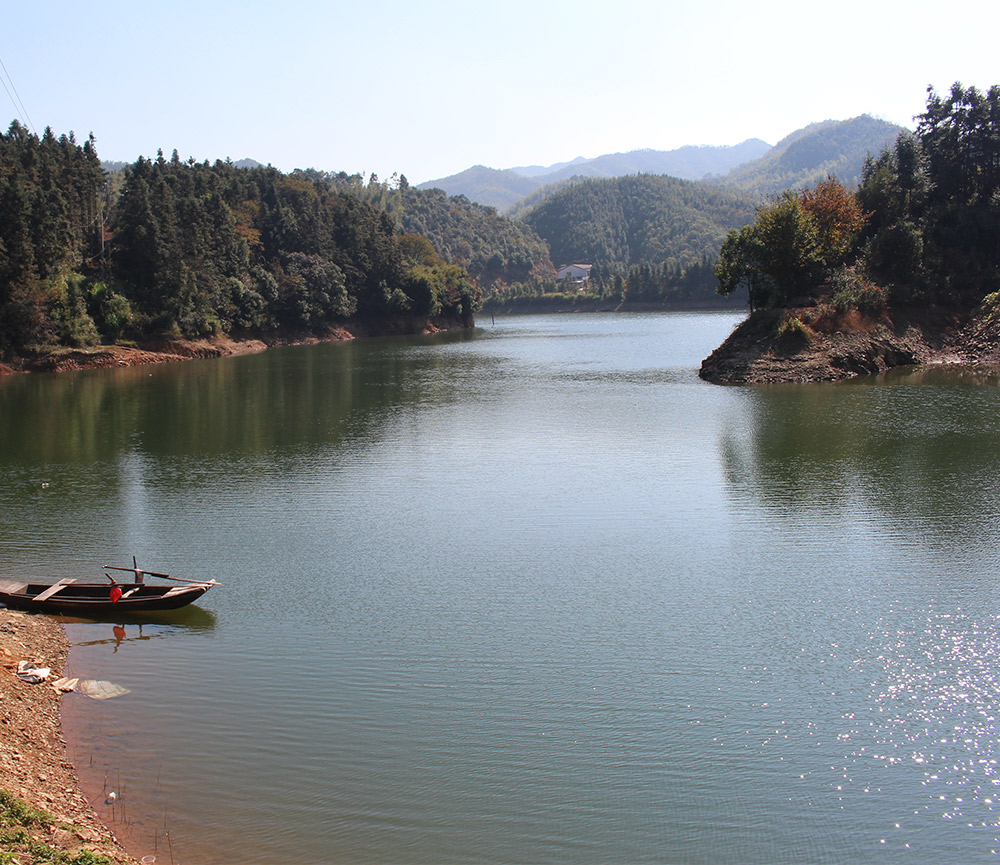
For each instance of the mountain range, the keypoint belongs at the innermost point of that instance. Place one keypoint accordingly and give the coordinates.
(809, 154)
(623, 210)
(504, 188)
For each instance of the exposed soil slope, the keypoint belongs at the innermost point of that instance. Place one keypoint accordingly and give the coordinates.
(171, 351)
(33, 763)
(818, 344)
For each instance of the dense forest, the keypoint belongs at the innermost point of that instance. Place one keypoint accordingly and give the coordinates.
(165, 249)
(189, 249)
(639, 219)
(922, 228)
(496, 251)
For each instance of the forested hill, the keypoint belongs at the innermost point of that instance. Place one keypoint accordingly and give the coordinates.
(191, 249)
(496, 251)
(833, 147)
(638, 219)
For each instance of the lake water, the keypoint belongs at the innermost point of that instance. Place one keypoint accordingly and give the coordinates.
(531, 594)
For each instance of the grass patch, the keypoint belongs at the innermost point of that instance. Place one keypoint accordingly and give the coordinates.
(18, 846)
(851, 291)
(989, 309)
(791, 328)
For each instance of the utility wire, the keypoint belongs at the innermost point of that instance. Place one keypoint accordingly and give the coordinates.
(22, 111)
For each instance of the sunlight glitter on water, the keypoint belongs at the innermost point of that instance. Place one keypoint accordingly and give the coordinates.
(932, 705)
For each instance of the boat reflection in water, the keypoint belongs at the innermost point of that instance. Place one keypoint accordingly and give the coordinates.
(138, 627)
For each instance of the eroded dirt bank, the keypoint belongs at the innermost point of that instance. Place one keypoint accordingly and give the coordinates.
(812, 344)
(33, 762)
(171, 351)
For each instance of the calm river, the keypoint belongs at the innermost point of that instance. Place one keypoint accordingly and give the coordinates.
(532, 594)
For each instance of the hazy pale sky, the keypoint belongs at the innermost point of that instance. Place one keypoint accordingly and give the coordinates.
(430, 88)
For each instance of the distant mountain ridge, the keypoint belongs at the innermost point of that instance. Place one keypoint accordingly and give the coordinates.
(502, 188)
(650, 218)
(837, 147)
(491, 187)
(539, 170)
(688, 162)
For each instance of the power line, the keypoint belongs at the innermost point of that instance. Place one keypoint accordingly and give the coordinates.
(22, 111)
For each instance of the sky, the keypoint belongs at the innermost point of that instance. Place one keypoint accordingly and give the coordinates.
(428, 89)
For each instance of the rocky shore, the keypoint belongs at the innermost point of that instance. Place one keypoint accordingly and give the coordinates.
(805, 344)
(33, 762)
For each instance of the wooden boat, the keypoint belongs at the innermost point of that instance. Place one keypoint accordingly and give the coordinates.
(100, 599)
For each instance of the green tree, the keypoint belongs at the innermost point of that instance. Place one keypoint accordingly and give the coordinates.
(934, 200)
(738, 266)
(776, 257)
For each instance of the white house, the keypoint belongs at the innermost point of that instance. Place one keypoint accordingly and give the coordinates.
(579, 273)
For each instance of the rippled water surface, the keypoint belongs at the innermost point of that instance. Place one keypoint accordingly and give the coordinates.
(534, 594)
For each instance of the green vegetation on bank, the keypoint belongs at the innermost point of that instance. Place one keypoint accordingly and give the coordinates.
(18, 844)
(616, 287)
(793, 243)
(496, 251)
(191, 249)
(920, 230)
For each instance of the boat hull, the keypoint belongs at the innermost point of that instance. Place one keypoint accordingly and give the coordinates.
(93, 599)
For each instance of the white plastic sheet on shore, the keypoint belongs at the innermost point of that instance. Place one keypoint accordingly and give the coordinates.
(28, 672)
(99, 690)
(96, 690)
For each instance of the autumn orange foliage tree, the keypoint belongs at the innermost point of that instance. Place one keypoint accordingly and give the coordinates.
(792, 245)
(838, 218)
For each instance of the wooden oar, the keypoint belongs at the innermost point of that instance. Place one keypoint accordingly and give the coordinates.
(162, 576)
(182, 580)
(135, 569)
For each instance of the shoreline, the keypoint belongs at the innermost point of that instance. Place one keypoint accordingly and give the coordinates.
(34, 761)
(797, 345)
(174, 351)
(35, 766)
